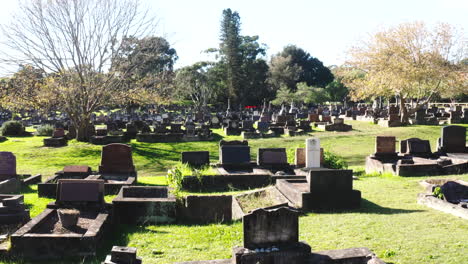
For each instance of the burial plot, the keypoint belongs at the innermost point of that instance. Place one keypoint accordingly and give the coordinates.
(122, 255)
(144, 205)
(13, 210)
(47, 236)
(271, 235)
(58, 139)
(454, 200)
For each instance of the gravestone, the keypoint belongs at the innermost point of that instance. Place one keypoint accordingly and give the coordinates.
(266, 228)
(234, 152)
(453, 139)
(196, 158)
(314, 117)
(330, 181)
(263, 126)
(87, 191)
(116, 158)
(76, 171)
(272, 157)
(300, 157)
(326, 118)
(7, 165)
(385, 145)
(313, 153)
(58, 133)
(454, 192)
(101, 132)
(415, 146)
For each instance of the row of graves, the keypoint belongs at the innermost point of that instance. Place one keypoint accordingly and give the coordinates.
(390, 116)
(76, 223)
(416, 157)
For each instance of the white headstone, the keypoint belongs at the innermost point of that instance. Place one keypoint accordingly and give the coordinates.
(312, 153)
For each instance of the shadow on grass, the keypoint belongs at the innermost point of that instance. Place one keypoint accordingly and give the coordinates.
(370, 207)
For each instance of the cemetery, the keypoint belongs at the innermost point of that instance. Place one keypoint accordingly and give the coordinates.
(120, 144)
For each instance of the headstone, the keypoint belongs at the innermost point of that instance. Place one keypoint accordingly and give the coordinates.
(58, 133)
(263, 126)
(272, 157)
(453, 139)
(234, 152)
(415, 146)
(454, 192)
(338, 121)
(116, 158)
(71, 190)
(385, 145)
(196, 158)
(314, 117)
(7, 165)
(300, 157)
(313, 153)
(266, 228)
(330, 181)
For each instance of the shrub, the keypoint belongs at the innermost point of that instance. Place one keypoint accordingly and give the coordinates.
(45, 130)
(332, 161)
(12, 128)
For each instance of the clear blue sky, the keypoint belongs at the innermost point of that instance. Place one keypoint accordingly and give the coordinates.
(324, 28)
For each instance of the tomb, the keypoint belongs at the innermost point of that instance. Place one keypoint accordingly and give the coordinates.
(452, 197)
(122, 255)
(338, 125)
(144, 205)
(58, 139)
(271, 235)
(234, 155)
(48, 236)
(415, 157)
(10, 181)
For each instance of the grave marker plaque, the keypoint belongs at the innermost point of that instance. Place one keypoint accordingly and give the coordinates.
(453, 139)
(80, 191)
(385, 145)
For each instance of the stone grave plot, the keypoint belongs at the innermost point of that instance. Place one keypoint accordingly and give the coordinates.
(10, 181)
(271, 235)
(196, 158)
(416, 158)
(244, 203)
(58, 139)
(337, 125)
(13, 214)
(73, 226)
(144, 205)
(446, 195)
(48, 188)
(108, 135)
(323, 189)
(122, 255)
(236, 170)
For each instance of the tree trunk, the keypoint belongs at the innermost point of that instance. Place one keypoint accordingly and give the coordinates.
(404, 115)
(82, 126)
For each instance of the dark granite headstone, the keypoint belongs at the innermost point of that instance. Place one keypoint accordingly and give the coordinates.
(272, 157)
(263, 126)
(7, 165)
(329, 181)
(234, 152)
(419, 147)
(453, 139)
(196, 158)
(71, 190)
(58, 133)
(454, 192)
(276, 227)
(116, 158)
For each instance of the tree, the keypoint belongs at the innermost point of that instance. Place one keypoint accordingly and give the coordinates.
(245, 71)
(409, 61)
(293, 65)
(230, 50)
(193, 82)
(146, 64)
(73, 43)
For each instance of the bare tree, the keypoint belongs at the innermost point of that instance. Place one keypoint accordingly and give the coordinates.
(74, 42)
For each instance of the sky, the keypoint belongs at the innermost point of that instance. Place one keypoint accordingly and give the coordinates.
(324, 28)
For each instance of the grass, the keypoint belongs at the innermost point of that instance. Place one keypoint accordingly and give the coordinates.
(390, 222)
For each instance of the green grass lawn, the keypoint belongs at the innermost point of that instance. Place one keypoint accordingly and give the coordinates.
(390, 222)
